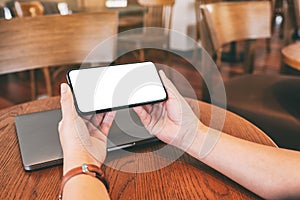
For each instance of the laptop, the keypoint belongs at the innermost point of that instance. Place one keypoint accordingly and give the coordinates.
(39, 142)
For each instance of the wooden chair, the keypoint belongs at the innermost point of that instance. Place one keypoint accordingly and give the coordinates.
(33, 9)
(34, 42)
(159, 14)
(30, 8)
(269, 101)
(228, 22)
(2, 14)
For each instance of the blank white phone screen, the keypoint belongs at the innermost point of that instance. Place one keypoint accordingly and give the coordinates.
(102, 88)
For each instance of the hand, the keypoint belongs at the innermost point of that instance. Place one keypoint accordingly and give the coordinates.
(172, 121)
(82, 140)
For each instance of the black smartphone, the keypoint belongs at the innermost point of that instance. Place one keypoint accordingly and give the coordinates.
(103, 89)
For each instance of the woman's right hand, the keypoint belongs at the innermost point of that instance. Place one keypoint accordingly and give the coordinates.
(172, 121)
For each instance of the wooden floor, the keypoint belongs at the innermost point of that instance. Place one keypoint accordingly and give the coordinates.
(15, 88)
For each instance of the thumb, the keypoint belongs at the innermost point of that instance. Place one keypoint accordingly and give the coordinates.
(67, 102)
(170, 87)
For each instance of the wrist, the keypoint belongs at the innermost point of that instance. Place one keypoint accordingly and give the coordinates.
(204, 143)
(73, 162)
(75, 176)
(197, 143)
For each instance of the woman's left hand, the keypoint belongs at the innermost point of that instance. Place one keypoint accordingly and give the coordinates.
(82, 140)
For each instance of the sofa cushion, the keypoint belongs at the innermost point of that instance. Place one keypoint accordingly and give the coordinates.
(270, 102)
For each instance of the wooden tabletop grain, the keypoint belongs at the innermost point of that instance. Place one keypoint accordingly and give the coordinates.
(185, 178)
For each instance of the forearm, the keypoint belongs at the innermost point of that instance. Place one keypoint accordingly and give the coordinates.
(85, 187)
(267, 171)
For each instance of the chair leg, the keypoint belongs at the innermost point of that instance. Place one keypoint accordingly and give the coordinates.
(32, 84)
(219, 58)
(250, 56)
(268, 47)
(56, 72)
(46, 72)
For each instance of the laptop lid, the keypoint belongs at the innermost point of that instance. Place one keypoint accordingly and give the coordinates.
(39, 142)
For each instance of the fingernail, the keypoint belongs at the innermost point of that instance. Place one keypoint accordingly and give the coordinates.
(63, 88)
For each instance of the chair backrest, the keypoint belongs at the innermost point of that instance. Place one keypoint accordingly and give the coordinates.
(55, 40)
(159, 13)
(234, 21)
(198, 4)
(30, 8)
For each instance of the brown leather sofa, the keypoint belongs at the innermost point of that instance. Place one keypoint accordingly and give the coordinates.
(270, 102)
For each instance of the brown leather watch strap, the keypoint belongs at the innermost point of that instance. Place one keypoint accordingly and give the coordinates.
(87, 169)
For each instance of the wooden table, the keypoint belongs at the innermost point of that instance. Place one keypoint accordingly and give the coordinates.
(291, 55)
(129, 17)
(186, 178)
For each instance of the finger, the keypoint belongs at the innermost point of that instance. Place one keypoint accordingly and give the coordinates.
(88, 117)
(143, 115)
(95, 132)
(175, 102)
(157, 110)
(99, 135)
(91, 127)
(67, 102)
(107, 122)
(170, 87)
(97, 119)
(148, 108)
